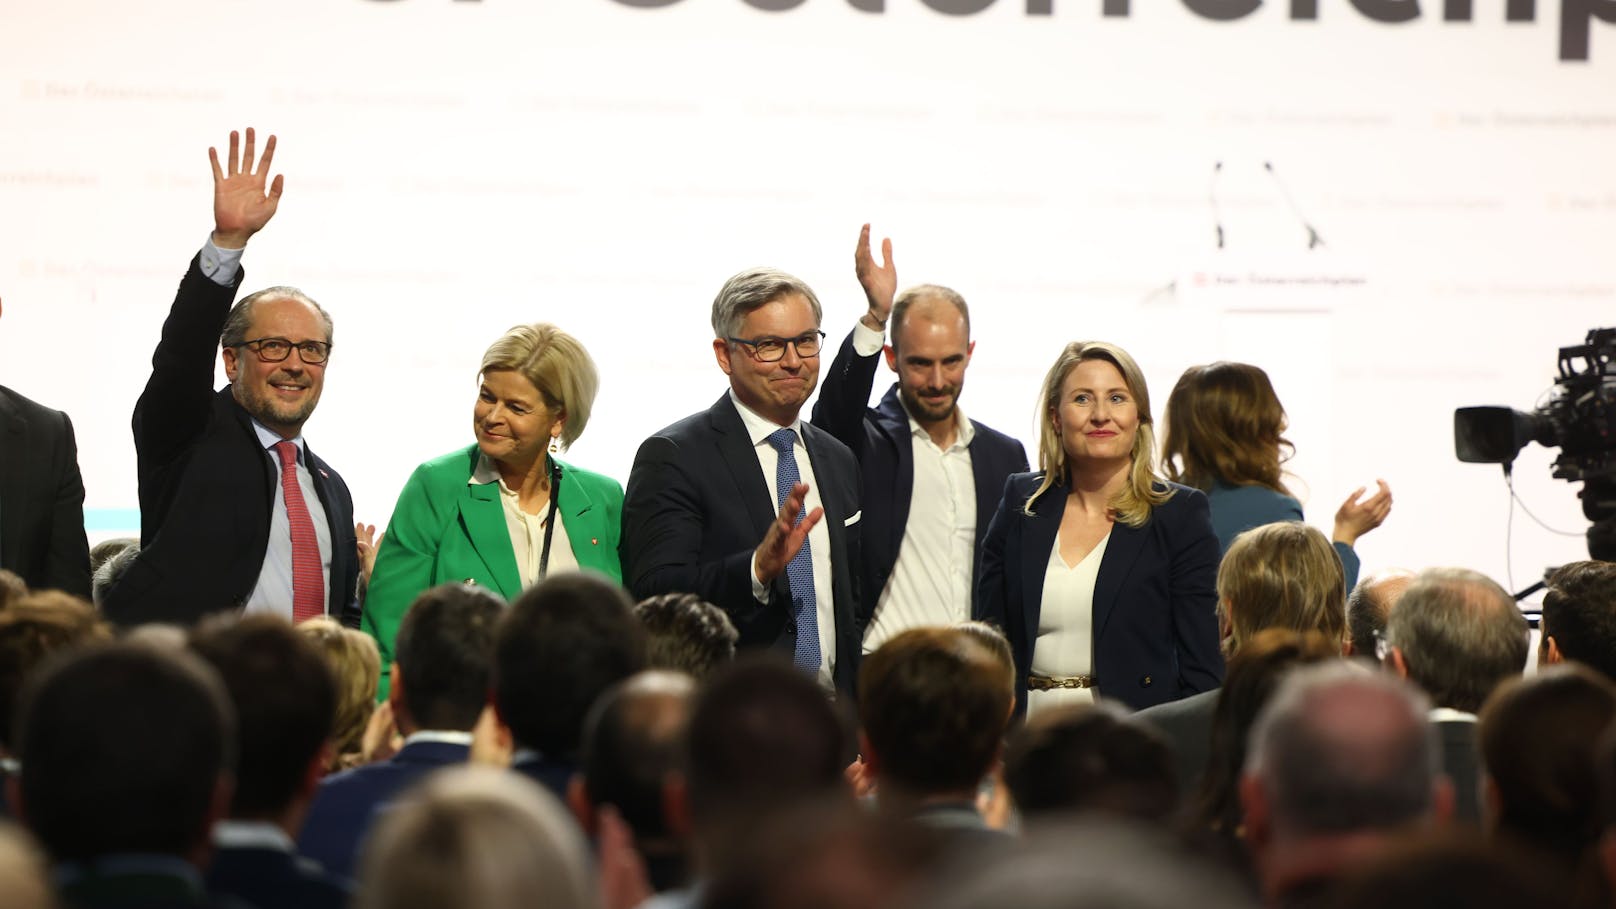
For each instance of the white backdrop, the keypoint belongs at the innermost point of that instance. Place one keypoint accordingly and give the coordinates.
(453, 168)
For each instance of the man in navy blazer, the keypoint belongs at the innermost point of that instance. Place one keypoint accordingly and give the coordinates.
(232, 501)
(746, 505)
(932, 478)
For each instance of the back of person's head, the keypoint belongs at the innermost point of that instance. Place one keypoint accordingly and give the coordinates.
(1255, 672)
(125, 748)
(285, 701)
(686, 633)
(356, 664)
(1283, 575)
(1225, 424)
(1090, 757)
(933, 703)
(1579, 615)
(33, 627)
(1370, 604)
(12, 587)
(1342, 749)
(762, 736)
(24, 879)
(103, 551)
(560, 645)
(107, 573)
(445, 655)
(1457, 635)
(1539, 745)
(1456, 868)
(475, 836)
(998, 647)
(634, 737)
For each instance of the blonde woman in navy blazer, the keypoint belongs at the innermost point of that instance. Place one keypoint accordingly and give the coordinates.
(1152, 620)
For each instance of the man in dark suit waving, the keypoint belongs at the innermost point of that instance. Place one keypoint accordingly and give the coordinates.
(235, 510)
(932, 478)
(745, 504)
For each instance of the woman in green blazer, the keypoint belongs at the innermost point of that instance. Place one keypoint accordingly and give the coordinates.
(487, 514)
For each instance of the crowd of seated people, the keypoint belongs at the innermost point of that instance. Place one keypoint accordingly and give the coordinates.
(848, 657)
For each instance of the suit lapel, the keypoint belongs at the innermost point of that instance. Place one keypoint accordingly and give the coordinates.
(13, 485)
(581, 516)
(735, 449)
(894, 422)
(1038, 540)
(1121, 551)
(484, 518)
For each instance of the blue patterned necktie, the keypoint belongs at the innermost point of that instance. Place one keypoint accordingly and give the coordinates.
(800, 572)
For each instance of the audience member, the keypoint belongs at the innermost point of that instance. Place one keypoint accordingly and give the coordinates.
(701, 488)
(127, 752)
(476, 837)
(1459, 869)
(1539, 746)
(285, 698)
(1090, 757)
(932, 477)
(103, 551)
(1579, 617)
(441, 681)
(560, 645)
(686, 633)
(1368, 606)
(1340, 761)
(24, 880)
(235, 509)
(1457, 635)
(633, 740)
(355, 662)
(12, 587)
(110, 572)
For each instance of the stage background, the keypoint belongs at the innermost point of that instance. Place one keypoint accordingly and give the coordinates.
(453, 168)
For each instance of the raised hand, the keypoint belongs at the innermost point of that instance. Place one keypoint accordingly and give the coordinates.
(880, 282)
(1355, 518)
(366, 541)
(783, 541)
(241, 207)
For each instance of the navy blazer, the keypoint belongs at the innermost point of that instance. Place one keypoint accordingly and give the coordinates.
(273, 879)
(347, 803)
(882, 443)
(696, 507)
(207, 485)
(1155, 600)
(41, 498)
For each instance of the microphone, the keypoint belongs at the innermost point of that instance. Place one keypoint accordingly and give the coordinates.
(1212, 197)
(1313, 238)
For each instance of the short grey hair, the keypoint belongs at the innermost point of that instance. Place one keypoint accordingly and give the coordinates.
(1343, 748)
(240, 317)
(1461, 636)
(752, 289)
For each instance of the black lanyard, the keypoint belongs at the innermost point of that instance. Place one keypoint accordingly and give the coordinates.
(550, 518)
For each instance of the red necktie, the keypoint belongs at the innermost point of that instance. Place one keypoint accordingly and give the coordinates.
(308, 577)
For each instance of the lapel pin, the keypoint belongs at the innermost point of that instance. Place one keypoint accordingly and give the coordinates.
(594, 541)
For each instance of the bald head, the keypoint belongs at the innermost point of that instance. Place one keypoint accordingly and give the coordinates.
(1370, 604)
(1457, 635)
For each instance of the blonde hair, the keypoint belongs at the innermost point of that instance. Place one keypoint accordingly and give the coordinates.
(354, 659)
(1144, 489)
(476, 836)
(1224, 422)
(558, 366)
(1282, 575)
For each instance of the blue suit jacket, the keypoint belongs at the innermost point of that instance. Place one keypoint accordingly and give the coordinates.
(882, 443)
(348, 802)
(1155, 601)
(272, 879)
(1237, 509)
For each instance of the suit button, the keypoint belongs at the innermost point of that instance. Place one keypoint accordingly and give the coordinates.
(1145, 682)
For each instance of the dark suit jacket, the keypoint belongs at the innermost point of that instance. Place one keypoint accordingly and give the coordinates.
(1155, 621)
(206, 484)
(41, 498)
(697, 506)
(272, 879)
(881, 441)
(346, 803)
(1187, 725)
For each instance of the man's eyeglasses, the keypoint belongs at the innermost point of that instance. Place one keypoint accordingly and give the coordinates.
(769, 349)
(274, 350)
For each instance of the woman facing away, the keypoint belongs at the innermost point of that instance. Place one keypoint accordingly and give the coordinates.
(1100, 572)
(1225, 437)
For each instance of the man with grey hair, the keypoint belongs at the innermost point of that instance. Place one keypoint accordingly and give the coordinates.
(236, 512)
(1457, 635)
(1339, 762)
(746, 505)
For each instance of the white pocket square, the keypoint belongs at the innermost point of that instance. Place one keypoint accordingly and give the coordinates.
(854, 519)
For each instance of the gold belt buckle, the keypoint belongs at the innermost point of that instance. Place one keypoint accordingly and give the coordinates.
(1046, 683)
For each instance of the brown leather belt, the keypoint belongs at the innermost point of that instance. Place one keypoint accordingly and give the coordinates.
(1045, 683)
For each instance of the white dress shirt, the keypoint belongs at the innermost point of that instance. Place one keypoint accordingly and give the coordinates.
(758, 428)
(1065, 645)
(527, 530)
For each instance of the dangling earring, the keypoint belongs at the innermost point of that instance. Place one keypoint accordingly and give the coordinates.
(555, 444)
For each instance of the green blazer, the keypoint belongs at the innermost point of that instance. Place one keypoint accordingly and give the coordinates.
(446, 530)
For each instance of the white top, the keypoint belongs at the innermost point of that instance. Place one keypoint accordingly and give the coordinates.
(1065, 645)
(527, 530)
(758, 427)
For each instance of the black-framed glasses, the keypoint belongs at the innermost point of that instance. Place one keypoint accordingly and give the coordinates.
(769, 349)
(274, 350)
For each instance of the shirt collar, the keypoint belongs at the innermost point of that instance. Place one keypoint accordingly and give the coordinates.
(269, 438)
(1449, 715)
(251, 835)
(964, 432)
(759, 427)
(441, 736)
